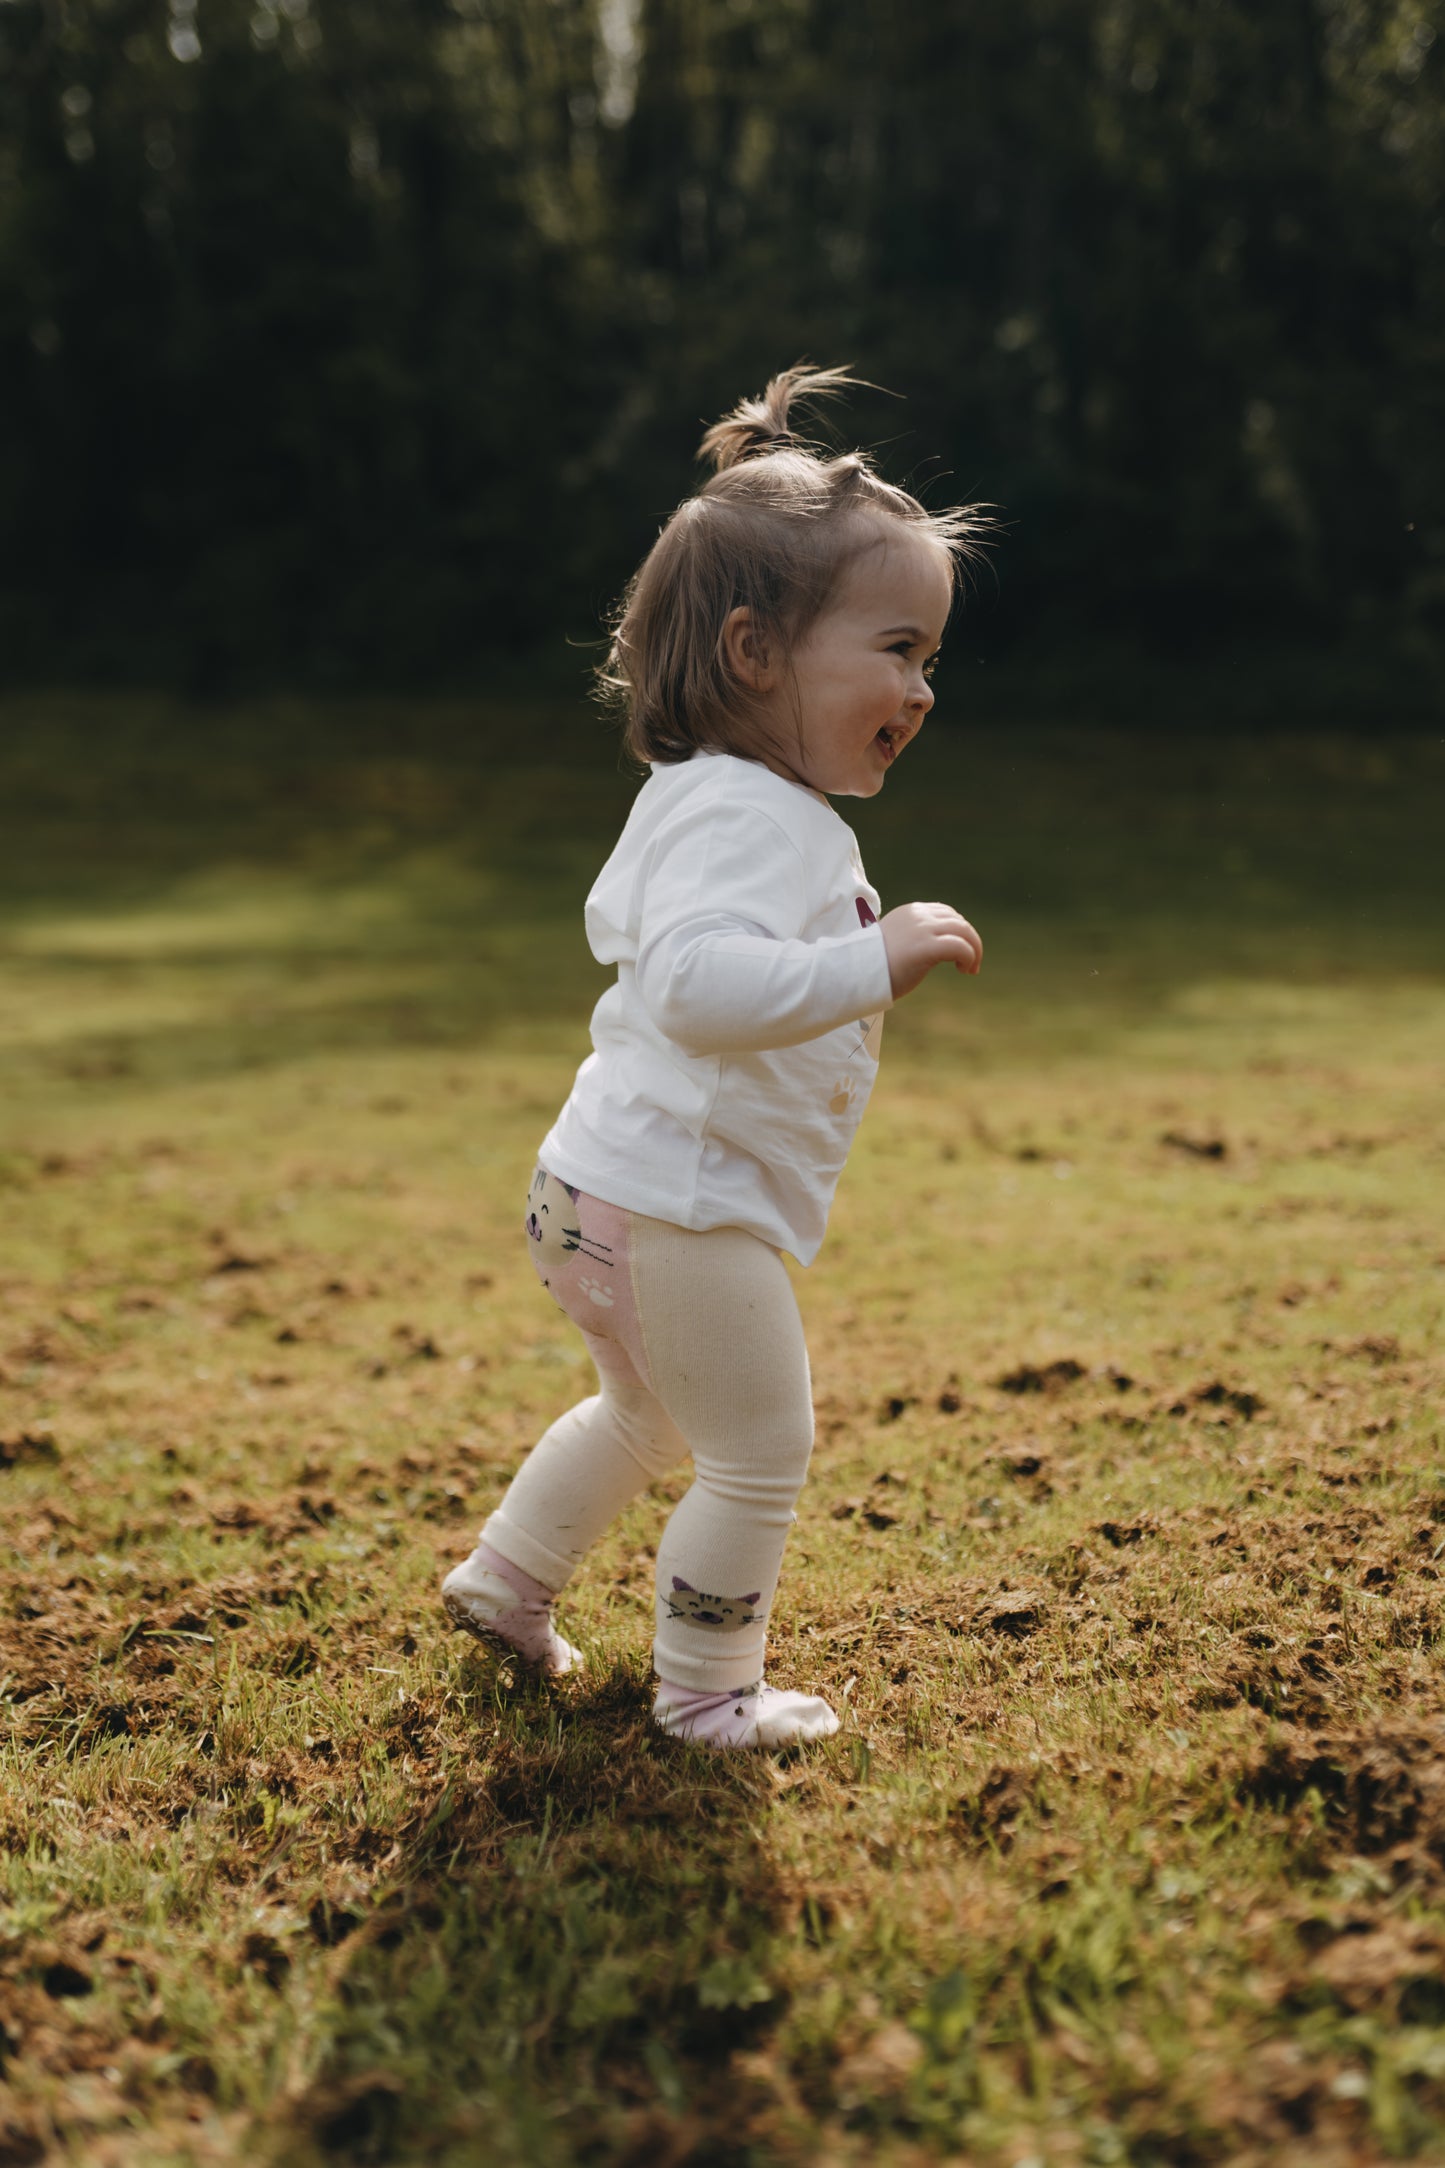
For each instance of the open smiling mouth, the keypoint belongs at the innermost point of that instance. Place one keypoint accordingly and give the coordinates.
(887, 744)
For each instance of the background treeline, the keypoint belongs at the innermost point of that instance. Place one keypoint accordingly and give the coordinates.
(365, 339)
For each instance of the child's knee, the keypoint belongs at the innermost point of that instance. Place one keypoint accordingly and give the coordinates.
(759, 1478)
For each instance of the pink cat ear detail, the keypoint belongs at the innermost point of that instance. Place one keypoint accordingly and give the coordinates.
(686, 1587)
(754, 1596)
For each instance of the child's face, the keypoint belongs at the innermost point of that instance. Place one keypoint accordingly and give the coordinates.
(857, 690)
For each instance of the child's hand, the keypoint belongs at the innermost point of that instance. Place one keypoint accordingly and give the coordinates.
(919, 935)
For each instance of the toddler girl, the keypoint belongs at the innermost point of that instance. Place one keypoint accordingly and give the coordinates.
(773, 650)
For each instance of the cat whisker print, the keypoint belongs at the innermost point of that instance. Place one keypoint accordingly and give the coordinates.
(596, 1253)
(729, 1613)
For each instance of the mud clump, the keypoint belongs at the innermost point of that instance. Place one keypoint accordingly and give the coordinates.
(1379, 1788)
(1195, 1147)
(355, 2116)
(1236, 1399)
(1302, 1690)
(990, 1814)
(1014, 1613)
(1054, 1377)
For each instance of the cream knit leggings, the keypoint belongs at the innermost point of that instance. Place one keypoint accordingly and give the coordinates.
(699, 1349)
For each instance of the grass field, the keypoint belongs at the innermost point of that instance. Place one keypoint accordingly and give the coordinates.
(1122, 1550)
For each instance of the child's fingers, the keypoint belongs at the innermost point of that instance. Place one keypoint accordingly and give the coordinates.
(954, 922)
(964, 945)
(960, 951)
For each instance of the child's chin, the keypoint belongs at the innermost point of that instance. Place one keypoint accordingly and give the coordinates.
(860, 784)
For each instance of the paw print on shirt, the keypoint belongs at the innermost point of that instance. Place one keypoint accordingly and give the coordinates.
(845, 1096)
(596, 1292)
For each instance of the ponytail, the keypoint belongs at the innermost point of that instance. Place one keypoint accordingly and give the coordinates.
(756, 427)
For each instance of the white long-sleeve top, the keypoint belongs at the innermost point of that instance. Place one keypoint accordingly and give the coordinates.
(733, 1058)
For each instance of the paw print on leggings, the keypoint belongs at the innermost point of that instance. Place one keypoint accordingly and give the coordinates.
(845, 1096)
(596, 1292)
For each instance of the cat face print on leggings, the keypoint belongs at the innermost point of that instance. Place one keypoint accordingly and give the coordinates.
(727, 1613)
(554, 1223)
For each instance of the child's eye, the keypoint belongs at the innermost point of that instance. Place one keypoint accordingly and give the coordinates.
(930, 668)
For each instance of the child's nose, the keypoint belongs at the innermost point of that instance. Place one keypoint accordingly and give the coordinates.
(921, 697)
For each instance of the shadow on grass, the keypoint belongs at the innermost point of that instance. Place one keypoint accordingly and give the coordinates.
(571, 1947)
(188, 900)
(273, 1037)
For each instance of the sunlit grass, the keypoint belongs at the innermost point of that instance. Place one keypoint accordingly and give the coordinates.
(1132, 1845)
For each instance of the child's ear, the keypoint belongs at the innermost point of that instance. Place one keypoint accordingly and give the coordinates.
(745, 645)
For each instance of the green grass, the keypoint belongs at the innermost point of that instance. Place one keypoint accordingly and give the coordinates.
(1122, 1548)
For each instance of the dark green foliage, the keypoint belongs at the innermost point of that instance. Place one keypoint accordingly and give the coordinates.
(375, 339)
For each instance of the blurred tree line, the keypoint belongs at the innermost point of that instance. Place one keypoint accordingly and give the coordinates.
(350, 339)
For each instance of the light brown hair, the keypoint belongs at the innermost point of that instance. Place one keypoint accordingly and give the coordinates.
(772, 530)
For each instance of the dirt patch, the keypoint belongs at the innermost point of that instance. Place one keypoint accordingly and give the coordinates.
(29, 1449)
(1392, 1970)
(1375, 1347)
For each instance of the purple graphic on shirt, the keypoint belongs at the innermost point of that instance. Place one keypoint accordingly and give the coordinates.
(867, 916)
